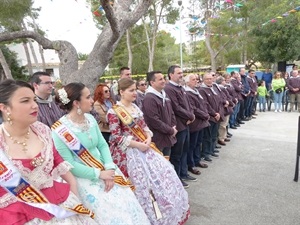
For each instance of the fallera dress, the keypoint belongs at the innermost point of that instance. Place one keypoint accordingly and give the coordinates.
(148, 171)
(42, 177)
(119, 206)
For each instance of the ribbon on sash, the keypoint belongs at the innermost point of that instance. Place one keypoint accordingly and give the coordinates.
(136, 129)
(73, 143)
(13, 182)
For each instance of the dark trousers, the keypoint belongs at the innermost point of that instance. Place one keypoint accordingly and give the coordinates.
(192, 149)
(248, 111)
(210, 135)
(241, 111)
(106, 136)
(198, 151)
(179, 152)
(166, 151)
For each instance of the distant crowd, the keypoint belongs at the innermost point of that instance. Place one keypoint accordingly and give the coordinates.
(127, 151)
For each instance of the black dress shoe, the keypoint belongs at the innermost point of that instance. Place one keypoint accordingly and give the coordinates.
(207, 159)
(237, 125)
(193, 170)
(226, 139)
(228, 136)
(233, 127)
(215, 155)
(221, 142)
(241, 122)
(216, 151)
(218, 146)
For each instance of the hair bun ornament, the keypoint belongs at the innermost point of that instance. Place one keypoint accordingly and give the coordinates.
(63, 96)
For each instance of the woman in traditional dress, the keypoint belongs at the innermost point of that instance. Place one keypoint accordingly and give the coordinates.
(30, 165)
(103, 102)
(101, 185)
(157, 186)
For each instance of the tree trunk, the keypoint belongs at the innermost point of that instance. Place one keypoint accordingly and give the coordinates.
(122, 15)
(41, 51)
(211, 53)
(128, 42)
(29, 64)
(150, 65)
(5, 66)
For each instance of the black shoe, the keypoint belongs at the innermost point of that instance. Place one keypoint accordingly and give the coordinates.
(218, 146)
(241, 122)
(188, 178)
(207, 159)
(237, 125)
(228, 136)
(233, 127)
(185, 185)
(215, 155)
(216, 151)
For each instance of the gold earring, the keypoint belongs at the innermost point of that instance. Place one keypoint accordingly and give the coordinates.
(9, 120)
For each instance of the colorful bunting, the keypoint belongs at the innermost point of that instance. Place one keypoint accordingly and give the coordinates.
(97, 13)
(283, 15)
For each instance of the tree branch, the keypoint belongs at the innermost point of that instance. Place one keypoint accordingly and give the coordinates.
(110, 15)
(10, 36)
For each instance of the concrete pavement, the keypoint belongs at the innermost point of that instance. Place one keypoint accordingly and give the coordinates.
(252, 180)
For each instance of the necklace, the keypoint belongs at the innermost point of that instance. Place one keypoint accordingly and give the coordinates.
(82, 125)
(22, 143)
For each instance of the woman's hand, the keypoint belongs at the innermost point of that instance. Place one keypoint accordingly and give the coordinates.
(148, 141)
(108, 177)
(143, 147)
(109, 184)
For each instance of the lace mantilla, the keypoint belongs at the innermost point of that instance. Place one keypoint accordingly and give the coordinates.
(42, 176)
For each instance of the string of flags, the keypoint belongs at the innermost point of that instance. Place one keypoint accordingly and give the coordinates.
(100, 11)
(274, 20)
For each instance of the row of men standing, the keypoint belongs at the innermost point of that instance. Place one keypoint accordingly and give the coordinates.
(184, 118)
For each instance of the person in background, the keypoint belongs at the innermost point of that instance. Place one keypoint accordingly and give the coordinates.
(125, 72)
(102, 103)
(294, 90)
(262, 94)
(199, 106)
(141, 87)
(26, 147)
(101, 185)
(49, 112)
(184, 116)
(158, 113)
(157, 186)
(252, 95)
(267, 78)
(278, 85)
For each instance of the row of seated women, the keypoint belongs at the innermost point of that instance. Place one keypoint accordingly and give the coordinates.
(142, 188)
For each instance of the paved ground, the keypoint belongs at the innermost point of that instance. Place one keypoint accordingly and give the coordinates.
(252, 180)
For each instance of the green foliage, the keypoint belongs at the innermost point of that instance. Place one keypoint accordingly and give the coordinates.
(82, 56)
(18, 72)
(13, 12)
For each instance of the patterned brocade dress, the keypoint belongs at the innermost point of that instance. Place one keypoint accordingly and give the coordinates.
(148, 171)
(119, 206)
(43, 178)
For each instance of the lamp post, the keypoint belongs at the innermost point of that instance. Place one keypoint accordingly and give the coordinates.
(180, 30)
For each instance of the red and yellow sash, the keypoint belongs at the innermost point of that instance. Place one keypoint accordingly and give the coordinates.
(73, 143)
(13, 182)
(136, 129)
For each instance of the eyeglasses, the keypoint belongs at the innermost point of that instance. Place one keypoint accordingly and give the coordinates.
(142, 84)
(106, 91)
(47, 82)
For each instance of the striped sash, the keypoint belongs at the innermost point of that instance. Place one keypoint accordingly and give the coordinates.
(73, 143)
(13, 182)
(136, 129)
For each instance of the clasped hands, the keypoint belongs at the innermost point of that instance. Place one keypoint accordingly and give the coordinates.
(108, 177)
